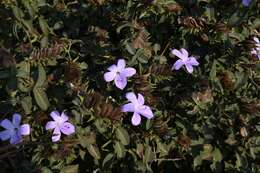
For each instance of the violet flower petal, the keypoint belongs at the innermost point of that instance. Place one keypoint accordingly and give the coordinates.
(246, 2)
(16, 120)
(254, 52)
(136, 119)
(50, 125)
(67, 128)
(7, 124)
(129, 107)
(258, 56)
(56, 116)
(56, 135)
(192, 61)
(184, 52)
(109, 76)
(25, 129)
(189, 68)
(112, 68)
(120, 82)
(131, 97)
(120, 64)
(16, 138)
(64, 117)
(140, 99)
(256, 40)
(146, 111)
(178, 53)
(178, 64)
(128, 72)
(4, 135)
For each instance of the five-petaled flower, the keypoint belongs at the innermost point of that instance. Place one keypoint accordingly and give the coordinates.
(14, 130)
(119, 74)
(137, 107)
(189, 62)
(246, 2)
(256, 50)
(60, 125)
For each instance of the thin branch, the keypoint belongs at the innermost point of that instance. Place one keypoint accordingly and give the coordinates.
(168, 160)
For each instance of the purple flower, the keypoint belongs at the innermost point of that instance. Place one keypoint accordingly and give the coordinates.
(189, 62)
(59, 125)
(246, 2)
(137, 107)
(119, 74)
(256, 51)
(13, 130)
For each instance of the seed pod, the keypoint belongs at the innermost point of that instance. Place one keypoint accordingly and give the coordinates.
(101, 107)
(41, 117)
(204, 96)
(43, 53)
(72, 72)
(97, 2)
(141, 41)
(257, 80)
(243, 132)
(192, 23)
(227, 80)
(252, 107)
(161, 128)
(161, 69)
(173, 7)
(249, 43)
(6, 59)
(92, 100)
(184, 141)
(107, 110)
(62, 152)
(143, 86)
(222, 27)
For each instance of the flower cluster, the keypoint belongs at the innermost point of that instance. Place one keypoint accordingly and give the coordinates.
(256, 51)
(14, 131)
(60, 125)
(246, 2)
(189, 62)
(119, 74)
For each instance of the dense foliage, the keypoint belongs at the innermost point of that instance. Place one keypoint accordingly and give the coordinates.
(54, 54)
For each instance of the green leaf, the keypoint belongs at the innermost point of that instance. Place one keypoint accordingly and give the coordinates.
(93, 151)
(122, 135)
(148, 155)
(234, 19)
(44, 25)
(26, 103)
(213, 71)
(129, 48)
(41, 76)
(70, 169)
(197, 161)
(107, 159)
(18, 13)
(46, 170)
(119, 149)
(217, 156)
(258, 127)
(41, 98)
